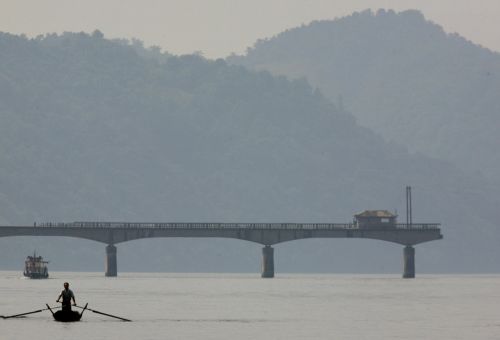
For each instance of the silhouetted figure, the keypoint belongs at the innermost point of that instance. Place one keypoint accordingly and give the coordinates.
(66, 295)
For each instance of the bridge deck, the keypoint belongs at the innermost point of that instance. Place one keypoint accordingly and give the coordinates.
(263, 233)
(251, 226)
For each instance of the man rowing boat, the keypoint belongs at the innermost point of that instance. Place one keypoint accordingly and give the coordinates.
(66, 295)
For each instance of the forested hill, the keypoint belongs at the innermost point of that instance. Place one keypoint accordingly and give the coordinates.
(401, 76)
(93, 129)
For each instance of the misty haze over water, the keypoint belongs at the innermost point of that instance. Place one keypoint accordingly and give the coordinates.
(297, 130)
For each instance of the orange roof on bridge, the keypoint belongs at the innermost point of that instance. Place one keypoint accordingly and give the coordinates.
(375, 213)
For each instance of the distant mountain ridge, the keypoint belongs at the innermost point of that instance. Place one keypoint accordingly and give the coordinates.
(401, 76)
(93, 129)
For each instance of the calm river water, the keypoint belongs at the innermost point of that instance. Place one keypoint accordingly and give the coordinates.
(244, 306)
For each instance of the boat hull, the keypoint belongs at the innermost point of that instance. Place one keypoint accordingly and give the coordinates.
(36, 275)
(67, 316)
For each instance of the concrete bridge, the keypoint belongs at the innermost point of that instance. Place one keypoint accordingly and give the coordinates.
(267, 234)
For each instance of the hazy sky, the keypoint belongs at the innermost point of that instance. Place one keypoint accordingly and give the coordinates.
(219, 27)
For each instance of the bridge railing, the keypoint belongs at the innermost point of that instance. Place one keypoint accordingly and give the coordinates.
(418, 226)
(277, 226)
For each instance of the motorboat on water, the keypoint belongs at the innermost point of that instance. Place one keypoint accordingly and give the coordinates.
(35, 267)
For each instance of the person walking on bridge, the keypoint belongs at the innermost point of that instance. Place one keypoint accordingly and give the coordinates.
(66, 295)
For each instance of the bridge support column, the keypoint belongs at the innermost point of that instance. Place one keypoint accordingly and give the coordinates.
(267, 262)
(111, 268)
(409, 262)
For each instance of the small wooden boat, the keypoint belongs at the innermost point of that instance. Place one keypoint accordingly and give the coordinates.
(67, 316)
(63, 315)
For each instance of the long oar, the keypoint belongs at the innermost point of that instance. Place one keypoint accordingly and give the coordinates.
(22, 314)
(96, 311)
(84, 308)
(48, 307)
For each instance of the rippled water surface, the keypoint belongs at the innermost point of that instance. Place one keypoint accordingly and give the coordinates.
(244, 306)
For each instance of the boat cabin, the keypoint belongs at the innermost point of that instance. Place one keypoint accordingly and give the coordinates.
(375, 219)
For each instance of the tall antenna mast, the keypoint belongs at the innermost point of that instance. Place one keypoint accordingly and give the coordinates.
(409, 219)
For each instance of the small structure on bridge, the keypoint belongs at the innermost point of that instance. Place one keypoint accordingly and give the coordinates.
(375, 219)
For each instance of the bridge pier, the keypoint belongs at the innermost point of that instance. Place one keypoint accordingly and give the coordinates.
(408, 262)
(267, 262)
(111, 267)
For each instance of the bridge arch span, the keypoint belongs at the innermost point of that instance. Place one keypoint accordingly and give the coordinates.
(266, 234)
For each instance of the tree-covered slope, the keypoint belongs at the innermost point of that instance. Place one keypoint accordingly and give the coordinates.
(401, 76)
(92, 129)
